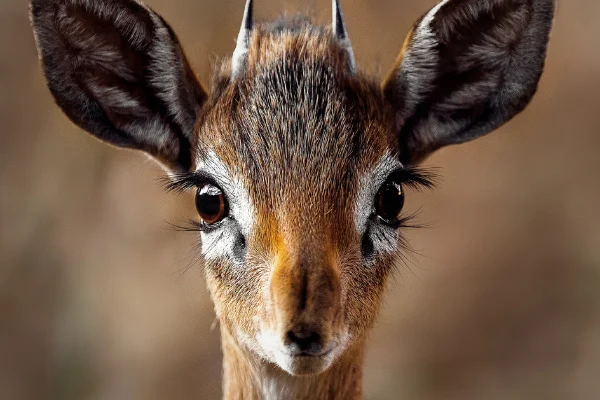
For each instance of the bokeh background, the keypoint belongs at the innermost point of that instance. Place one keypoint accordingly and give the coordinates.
(99, 299)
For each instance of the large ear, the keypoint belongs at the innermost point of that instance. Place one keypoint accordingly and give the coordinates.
(117, 70)
(467, 67)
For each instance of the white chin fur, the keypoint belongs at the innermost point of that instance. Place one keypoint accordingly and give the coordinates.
(304, 365)
(272, 350)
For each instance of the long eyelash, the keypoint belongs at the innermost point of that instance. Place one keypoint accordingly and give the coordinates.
(416, 178)
(180, 182)
(189, 226)
(411, 221)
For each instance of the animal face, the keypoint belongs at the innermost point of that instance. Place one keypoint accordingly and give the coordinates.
(298, 161)
(298, 150)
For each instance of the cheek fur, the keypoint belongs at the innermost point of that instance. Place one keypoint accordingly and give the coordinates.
(363, 288)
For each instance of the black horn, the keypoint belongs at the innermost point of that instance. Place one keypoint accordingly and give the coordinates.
(340, 34)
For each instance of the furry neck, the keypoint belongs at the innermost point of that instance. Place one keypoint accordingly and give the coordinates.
(246, 376)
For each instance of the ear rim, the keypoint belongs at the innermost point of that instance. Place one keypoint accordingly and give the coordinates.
(535, 42)
(177, 134)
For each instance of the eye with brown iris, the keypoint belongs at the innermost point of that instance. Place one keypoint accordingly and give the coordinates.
(211, 204)
(389, 202)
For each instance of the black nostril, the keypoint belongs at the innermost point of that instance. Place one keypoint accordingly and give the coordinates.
(304, 342)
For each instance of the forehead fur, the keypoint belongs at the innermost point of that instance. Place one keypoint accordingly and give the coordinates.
(297, 123)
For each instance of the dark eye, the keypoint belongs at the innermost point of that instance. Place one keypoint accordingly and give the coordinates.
(389, 202)
(211, 204)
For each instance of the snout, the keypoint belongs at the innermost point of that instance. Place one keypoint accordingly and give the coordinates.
(305, 303)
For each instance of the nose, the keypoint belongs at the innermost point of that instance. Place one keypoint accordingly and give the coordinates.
(306, 300)
(304, 341)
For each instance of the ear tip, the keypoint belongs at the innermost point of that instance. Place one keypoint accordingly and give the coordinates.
(37, 9)
(38, 5)
(34, 8)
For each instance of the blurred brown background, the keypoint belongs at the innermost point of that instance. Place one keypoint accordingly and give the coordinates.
(99, 299)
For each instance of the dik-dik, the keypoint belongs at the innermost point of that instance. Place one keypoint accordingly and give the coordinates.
(299, 161)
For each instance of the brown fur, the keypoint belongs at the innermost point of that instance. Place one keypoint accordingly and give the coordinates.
(302, 134)
(301, 157)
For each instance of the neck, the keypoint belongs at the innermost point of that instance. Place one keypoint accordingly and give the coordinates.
(246, 376)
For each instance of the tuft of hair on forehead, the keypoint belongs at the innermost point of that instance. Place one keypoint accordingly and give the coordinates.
(270, 40)
(294, 39)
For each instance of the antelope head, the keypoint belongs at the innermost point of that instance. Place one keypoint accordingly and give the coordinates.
(299, 161)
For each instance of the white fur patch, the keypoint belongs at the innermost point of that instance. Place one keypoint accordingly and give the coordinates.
(273, 347)
(370, 183)
(220, 243)
(384, 238)
(431, 14)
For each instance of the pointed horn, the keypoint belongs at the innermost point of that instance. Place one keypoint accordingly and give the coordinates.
(340, 34)
(240, 54)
